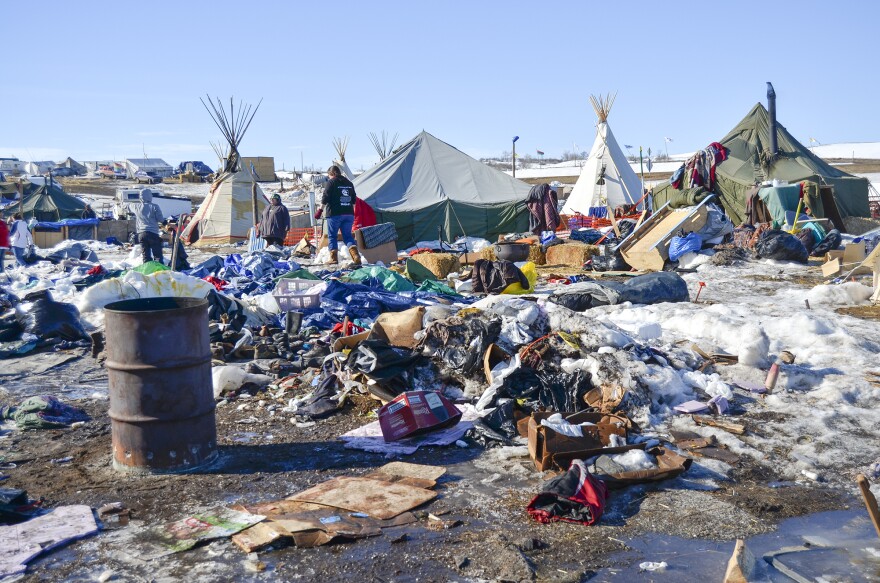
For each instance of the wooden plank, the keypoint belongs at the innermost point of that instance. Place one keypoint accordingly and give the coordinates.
(725, 425)
(258, 536)
(870, 501)
(377, 498)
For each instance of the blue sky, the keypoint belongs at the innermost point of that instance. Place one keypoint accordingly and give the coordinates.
(97, 81)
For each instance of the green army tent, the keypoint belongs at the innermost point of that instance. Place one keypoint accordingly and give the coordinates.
(428, 184)
(749, 162)
(49, 203)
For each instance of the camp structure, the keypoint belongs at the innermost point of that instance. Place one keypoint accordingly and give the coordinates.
(48, 203)
(77, 168)
(156, 166)
(262, 167)
(39, 168)
(750, 161)
(227, 213)
(606, 178)
(341, 145)
(429, 188)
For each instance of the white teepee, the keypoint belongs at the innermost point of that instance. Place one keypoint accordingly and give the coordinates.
(606, 178)
(227, 213)
(341, 145)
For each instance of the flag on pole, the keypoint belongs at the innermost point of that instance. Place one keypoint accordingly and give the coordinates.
(540, 153)
(627, 146)
(668, 139)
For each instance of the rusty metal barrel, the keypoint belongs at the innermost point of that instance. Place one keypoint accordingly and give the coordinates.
(161, 395)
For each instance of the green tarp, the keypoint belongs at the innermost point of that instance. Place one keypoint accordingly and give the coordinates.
(390, 280)
(428, 188)
(749, 163)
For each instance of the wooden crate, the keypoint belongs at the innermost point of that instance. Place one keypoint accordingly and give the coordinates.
(647, 248)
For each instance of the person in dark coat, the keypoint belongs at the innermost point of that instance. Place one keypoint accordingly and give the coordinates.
(543, 213)
(339, 201)
(275, 222)
(88, 213)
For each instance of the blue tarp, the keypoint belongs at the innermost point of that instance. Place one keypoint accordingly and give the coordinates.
(56, 225)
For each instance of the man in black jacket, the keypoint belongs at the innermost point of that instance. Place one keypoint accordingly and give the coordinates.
(338, 204)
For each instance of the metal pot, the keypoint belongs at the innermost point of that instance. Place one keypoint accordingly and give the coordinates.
(512, 251)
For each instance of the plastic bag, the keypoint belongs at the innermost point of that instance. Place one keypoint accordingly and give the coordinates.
(681, 245)
(531, 273)
(47, 318)
(781, 246)
(830, 242)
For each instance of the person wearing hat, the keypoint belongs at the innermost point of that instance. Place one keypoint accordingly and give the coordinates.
(338, 201)
(275, 222)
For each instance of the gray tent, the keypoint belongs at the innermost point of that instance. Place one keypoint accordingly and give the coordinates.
(428, 184)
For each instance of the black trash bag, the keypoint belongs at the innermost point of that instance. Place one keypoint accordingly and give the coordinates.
(626, 227)
(651, 288)
(461, 342)
(219, 304)
(484, 435)
(831, 242)
(562, 391)
(781, 246)
(390, 367)
(502, 419)
(323, 401)
(611, 261)
(523, 383)
(50, 319)
(8, 299)
(10, 327)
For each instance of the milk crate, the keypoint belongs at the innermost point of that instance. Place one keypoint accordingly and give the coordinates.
(289, 294)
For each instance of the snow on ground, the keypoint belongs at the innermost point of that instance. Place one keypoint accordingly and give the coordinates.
(862, 150)
(822, 417)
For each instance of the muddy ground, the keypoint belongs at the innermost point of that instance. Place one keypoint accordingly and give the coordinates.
(267, 457)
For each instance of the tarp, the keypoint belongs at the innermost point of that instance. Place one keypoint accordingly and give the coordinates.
(748, 163)
(429, 184)
(606, 163)
(49, 203)
(226, 215)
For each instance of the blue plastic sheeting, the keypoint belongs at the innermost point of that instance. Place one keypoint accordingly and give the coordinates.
(365, 301)
(681, 245)
(588, 236)
(56, 226)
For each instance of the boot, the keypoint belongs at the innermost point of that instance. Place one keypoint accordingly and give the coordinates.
(355, 256)
(334, 257)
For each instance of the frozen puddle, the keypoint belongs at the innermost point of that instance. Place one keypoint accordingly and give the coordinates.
(832, 546)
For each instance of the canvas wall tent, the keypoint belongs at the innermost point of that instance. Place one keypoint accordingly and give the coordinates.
(428, 184)
(262, 166)
(606, 177)
(748, 163)
(48, 202)
(156, 165)
(39, 168)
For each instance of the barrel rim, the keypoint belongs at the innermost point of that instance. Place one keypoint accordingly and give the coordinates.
(118, 307)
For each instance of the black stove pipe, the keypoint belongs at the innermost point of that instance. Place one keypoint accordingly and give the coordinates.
(771, 106)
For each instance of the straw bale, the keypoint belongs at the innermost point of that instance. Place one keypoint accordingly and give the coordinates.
(440, 264)
(573, 254)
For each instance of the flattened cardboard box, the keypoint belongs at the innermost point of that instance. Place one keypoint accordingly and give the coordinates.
(416, 412)
(549, 449)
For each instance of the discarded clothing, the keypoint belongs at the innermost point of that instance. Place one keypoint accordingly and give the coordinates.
(830, 242)
(543, 209)
(493, 277)
(50, 319)
(43, 412)
(575, 496)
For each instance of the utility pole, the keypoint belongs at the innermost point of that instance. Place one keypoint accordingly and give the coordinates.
(513, 157)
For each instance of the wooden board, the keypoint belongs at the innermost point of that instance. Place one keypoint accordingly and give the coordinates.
(648, 247)
(378, 498)
(258, 536)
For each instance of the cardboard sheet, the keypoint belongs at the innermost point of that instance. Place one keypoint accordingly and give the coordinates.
(377, 498)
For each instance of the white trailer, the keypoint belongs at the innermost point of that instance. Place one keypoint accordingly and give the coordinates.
(171, 206)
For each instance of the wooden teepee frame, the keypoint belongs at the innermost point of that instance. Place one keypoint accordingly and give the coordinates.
(341, 145)
(602, 105)
(233, 125)
(383, 146)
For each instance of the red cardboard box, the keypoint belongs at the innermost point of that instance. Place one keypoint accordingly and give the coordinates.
(416, 412)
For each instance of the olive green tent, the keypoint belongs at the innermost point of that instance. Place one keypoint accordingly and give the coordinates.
(749, 162)
(428, 184)
(49, 203)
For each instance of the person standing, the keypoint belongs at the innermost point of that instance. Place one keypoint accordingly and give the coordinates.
(339, 201)
(4, 243)
(147, 216)
(20, 238)
(275, 222)
(88, 213)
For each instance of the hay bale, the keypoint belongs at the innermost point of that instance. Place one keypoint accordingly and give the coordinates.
(572, 254)
(537, 255)
(488, 253)
(859, 225)
(440, 264)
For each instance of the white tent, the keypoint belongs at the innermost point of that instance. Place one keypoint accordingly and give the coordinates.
(39, 168)
(606, 178)
(157, 165)
(226, 215)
